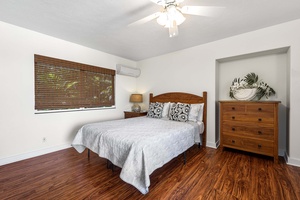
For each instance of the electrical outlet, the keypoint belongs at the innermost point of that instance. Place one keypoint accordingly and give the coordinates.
(44, 139)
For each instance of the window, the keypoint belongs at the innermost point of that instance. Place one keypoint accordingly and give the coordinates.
(61, 84)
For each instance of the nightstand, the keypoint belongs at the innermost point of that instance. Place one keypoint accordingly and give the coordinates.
(130, 114)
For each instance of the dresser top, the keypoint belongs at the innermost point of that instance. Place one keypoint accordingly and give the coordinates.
(235, 101)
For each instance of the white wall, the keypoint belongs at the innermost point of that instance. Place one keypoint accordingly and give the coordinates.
(22, 131)
(194, 70)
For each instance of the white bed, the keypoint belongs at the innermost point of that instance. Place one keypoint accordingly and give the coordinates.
(141, 145)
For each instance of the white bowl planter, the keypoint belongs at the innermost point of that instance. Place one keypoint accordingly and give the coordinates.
(249, 88)
(245, 94)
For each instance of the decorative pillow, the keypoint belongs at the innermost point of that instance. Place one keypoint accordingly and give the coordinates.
(196, 112)
(165, 111)
(200, 116)
(179, 112)
(155, 110)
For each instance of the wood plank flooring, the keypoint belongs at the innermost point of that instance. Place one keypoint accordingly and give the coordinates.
(208, 174)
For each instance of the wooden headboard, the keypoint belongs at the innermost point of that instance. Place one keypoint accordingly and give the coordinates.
(184, 98)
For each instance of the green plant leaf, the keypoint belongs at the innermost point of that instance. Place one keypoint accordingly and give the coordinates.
(260, 92)
(251, 78)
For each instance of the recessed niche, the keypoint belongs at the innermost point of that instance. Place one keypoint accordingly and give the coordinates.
(272, 67)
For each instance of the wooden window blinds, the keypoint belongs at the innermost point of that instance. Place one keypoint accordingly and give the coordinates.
(61, 84)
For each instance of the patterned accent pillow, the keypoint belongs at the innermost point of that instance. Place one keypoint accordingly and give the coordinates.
(155, 110)
(179, 112)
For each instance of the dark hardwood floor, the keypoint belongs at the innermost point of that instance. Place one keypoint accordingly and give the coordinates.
(208, 174)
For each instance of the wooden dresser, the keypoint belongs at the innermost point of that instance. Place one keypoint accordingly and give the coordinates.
(250, 126)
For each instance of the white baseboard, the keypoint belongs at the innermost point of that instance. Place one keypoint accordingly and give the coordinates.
(12, 159)
(291, 161)
(212, 145)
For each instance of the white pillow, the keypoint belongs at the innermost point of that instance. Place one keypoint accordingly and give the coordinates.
(165, 111)
(196, 112)
(200, 116)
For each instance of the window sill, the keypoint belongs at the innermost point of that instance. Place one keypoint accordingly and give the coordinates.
(72, 110)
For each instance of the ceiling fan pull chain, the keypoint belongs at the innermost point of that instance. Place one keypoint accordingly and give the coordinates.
(173, 29)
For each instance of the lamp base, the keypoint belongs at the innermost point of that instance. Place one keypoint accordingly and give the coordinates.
(136, 108)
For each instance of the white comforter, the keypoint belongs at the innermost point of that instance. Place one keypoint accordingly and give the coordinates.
(137, 145)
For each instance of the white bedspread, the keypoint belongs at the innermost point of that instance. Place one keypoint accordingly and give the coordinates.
(137, 145)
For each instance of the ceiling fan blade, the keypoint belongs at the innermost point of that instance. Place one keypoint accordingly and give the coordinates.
(164, 2)
(208, 11)
(159, 2)
(145, 19)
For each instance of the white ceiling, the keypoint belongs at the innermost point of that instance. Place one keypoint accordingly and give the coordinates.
(103, 24)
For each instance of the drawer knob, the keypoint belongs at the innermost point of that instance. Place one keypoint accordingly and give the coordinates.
(233, 141)
(259, 119)
(233, 129)
(259, 109)
(259, 132)
(259, 145)
(233, 108)
(233, 117)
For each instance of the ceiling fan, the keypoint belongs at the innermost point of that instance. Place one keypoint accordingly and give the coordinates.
(171, 14)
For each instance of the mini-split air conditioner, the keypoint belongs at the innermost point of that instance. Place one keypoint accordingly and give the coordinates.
(128, 71)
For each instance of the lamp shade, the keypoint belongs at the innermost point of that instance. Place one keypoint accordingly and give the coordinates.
(136, 98)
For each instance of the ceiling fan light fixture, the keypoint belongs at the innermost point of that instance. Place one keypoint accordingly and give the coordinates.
(178, 17)
(166, 18)
(172, 14)
(162, 19)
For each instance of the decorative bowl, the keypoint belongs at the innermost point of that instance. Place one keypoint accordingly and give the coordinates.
(245, 94)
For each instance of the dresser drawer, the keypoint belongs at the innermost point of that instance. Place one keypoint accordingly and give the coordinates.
(232, 141)
(233, 108)
(263, 132)
(247, 144)
(260, 108)
(248, 117)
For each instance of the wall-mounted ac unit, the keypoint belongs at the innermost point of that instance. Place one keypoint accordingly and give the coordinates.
(128, 71)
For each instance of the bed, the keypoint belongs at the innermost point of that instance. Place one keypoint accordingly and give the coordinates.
(140, 145)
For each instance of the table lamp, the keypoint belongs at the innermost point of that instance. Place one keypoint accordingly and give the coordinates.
(135, 99)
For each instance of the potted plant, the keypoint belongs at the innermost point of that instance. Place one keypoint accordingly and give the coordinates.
(249, 88)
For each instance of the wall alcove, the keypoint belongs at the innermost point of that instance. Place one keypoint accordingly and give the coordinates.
(273, 67)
